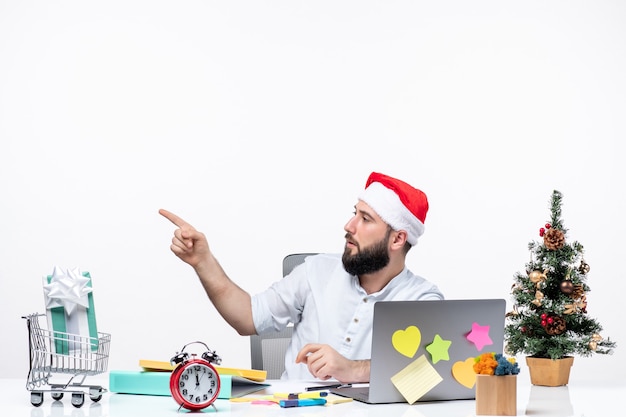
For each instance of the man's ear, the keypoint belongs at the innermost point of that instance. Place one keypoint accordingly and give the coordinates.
(399, 239)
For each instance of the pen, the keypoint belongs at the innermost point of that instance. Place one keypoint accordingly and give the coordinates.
(324, 387)
(302, 402)
(300, 395)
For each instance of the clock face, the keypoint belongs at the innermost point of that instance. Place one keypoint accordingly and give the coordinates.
(195, 385)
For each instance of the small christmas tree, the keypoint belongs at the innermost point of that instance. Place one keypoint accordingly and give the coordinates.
(549, 317)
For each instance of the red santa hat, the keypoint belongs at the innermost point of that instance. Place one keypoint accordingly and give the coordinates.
(399, 204)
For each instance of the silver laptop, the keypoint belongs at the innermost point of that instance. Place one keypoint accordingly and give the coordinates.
(450, 333)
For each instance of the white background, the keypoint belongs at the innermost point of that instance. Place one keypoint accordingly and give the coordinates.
(259, 122)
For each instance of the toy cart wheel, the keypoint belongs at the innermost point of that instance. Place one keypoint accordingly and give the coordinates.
(95, 393)
(78, 399)
(57, 396)
(36, 398)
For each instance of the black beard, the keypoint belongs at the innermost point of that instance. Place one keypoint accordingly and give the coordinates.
(369, 260)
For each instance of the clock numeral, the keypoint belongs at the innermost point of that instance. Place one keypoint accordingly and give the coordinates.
(181, 384)
(185, 377)
(198, 399)
(205, 397)
(212, 383)
(184, 392)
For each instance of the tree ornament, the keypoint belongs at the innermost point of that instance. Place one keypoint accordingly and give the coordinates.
(555, 325)
(567, 287)
(583, 304)
(542, 230)
(513, 312)
(538, 297)
(584, 267)
(554, 239)
(595, 339)
(577, 292)
(579, 305)
(537, 277)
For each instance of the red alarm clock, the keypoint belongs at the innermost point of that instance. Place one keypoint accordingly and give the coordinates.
(194, 382)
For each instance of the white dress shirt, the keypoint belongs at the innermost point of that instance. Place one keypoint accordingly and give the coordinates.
(327, 305)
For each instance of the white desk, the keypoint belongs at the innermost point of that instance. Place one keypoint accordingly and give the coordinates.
(574, 400)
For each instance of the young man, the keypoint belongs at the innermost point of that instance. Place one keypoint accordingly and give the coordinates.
(330, 298)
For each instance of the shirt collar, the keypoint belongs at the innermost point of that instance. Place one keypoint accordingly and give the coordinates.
(395, 281)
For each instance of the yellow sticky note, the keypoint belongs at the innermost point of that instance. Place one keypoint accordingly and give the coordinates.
(336, 399)
(416, 379)
(252, 399)
(407, 341)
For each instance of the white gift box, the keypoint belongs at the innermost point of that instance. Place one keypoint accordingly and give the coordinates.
(70, 311)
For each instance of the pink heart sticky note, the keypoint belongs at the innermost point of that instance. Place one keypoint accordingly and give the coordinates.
(407, 341)
(464, 373)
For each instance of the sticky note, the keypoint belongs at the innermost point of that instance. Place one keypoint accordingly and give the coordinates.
(336, 399)
(407, 341)
(463, 372)
(438, 349)
(479, 336)
(416, 379)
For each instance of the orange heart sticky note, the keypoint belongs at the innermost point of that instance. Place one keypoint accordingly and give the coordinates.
(464, 373)
(407, 341)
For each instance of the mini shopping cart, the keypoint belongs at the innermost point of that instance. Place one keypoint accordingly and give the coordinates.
(53, 352)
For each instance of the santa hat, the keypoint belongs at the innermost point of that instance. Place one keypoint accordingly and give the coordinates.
(400, 205)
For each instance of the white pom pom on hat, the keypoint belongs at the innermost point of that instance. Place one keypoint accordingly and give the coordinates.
(400, 205)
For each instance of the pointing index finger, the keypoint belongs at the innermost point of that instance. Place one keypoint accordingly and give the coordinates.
(173, 218)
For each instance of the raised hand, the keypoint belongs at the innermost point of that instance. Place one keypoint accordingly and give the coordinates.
(232, 302)
(188, 244)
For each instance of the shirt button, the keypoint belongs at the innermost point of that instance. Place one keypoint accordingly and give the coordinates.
(348, 339)
(356, 320)
(365, 300)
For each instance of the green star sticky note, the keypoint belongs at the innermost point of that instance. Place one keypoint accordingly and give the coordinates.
(438, 349)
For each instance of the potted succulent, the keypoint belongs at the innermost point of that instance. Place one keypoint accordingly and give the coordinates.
(550, 322)
(496, 384)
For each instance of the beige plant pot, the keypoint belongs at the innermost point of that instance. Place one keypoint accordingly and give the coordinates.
(496, 395)
(549, 372)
